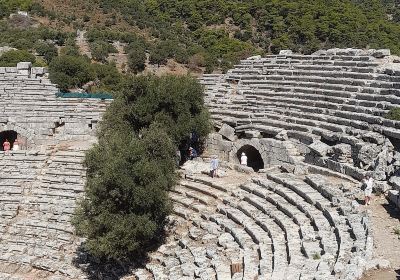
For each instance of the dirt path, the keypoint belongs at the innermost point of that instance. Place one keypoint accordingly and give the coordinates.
(385, 221)
(82, 43)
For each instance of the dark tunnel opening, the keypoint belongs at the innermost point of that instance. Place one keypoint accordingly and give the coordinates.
(254, 159)
(9, 135)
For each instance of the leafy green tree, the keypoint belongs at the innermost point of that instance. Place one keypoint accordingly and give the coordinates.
(132, 168)
(47, 50)
(101, 49)
(126, 201)
(70, 71)
(137, 59)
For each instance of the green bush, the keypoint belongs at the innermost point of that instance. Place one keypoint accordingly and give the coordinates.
(70, 71)
(101, 49)
(47, 50)
(11, 58)
(393, 114)
(131, 169)
(137, 60)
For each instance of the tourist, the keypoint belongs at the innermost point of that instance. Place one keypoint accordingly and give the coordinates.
(15, 145)
(6, 146)
(368, 183)
(214, 166)
(243, 159)
(192, 153)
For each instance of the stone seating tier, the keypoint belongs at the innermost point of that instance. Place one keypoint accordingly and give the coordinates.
(280, 227)
(40, 211)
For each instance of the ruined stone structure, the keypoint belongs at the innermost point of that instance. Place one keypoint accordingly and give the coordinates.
(328, 109)
(311, 127)
(40, 183)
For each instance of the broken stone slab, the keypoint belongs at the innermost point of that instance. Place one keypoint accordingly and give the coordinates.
(368, 152)
(377, 264)
(243, 169)
(24, 65)
(381, 53)
(289, 168)
(319, 148)
(381, 186)
(252, 134)
(227, 131)
(286, 52)
(255, 57)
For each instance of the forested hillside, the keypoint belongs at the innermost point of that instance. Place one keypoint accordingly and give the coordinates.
(204, 35)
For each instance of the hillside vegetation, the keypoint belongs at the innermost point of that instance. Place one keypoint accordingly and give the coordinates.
(205, 35)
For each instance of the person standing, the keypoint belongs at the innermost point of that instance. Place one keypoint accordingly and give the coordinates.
(368, 182)
(15, 145)
(214, 166)
(192, 153)
(243, 159)
(6, 146)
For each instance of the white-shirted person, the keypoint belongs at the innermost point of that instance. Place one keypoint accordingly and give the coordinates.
(369, 183)
(243, 159)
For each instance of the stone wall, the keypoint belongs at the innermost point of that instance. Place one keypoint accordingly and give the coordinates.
(29, 106)
(273, 152)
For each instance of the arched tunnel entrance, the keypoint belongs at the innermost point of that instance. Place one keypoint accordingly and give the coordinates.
(254, 159)
(9, 135)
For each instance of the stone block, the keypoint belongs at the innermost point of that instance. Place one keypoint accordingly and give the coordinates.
(24, 66)
(252, 134)
(286, 52)
(394, 197)
(227, 131)
(319, 148)
(243, 169)
(395, 181)
(381, 53)
(381, 186)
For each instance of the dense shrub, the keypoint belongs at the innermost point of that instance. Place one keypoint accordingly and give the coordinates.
(132, 168)
(47, 50)
(101, 49)
(137, 60)
(11, 58)
(70, 71)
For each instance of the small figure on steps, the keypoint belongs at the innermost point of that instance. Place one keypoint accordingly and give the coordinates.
(6, 146)
(214, 166)
(15, 145)
(368, 183)
(192, 153)
(243, 159)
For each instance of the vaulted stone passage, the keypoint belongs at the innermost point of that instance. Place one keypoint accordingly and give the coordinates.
(254, 159)
(9, 135)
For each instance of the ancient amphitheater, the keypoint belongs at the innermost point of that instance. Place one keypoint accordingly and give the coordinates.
(312, 127)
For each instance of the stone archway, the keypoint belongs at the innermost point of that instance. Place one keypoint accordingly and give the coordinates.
(25, 135)
(254, 158)
(10, 136)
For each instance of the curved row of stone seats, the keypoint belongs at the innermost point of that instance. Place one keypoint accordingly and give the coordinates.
(280, 227)
(43, 208)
